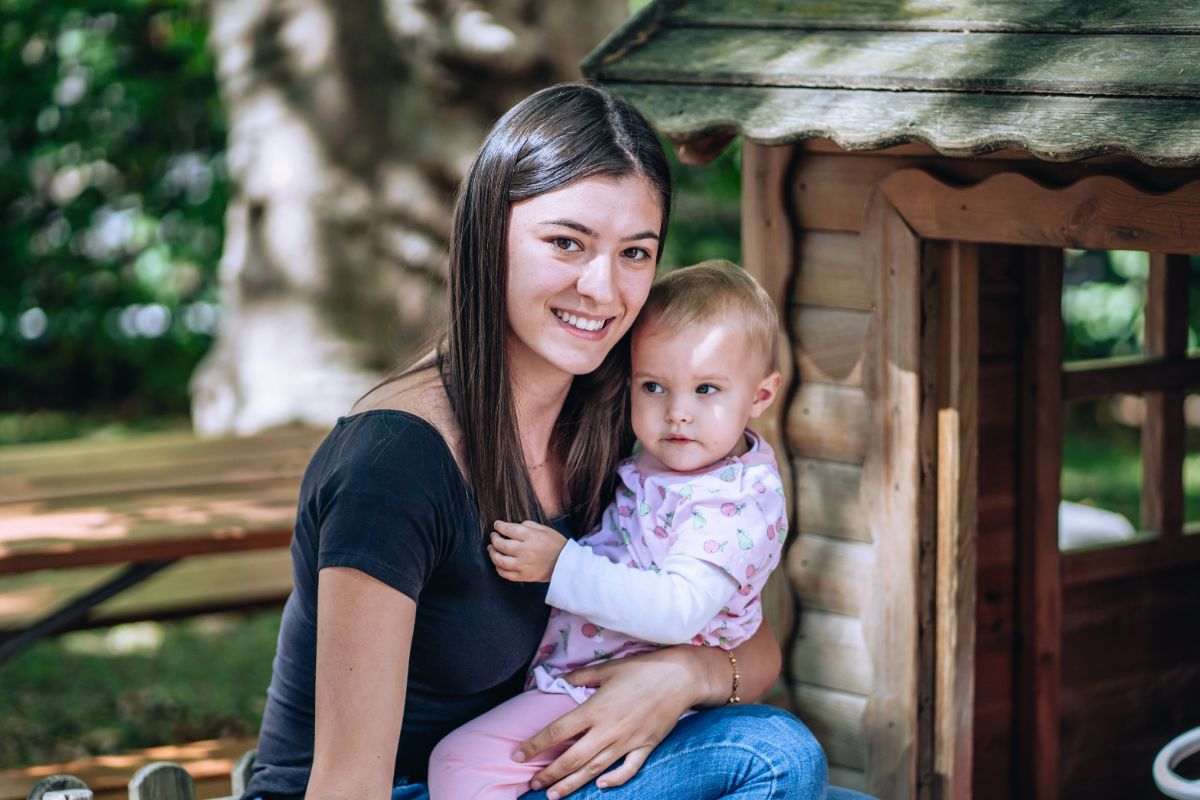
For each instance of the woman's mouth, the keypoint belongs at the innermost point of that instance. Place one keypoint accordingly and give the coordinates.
(581, 324)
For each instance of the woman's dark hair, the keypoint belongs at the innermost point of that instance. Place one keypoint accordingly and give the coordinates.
(551, 139)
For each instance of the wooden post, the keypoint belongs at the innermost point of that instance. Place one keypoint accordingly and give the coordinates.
(767, 254)
(162, 780)
(1039, 563)
(891, 498)
(951, 287)
(1163, 434)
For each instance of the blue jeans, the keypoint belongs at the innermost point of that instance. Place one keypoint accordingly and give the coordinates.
(742, 752)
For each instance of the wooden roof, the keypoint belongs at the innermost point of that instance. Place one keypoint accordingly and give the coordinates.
(1064, 80)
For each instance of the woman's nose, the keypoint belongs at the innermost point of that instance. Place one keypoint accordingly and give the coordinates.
(598, 280)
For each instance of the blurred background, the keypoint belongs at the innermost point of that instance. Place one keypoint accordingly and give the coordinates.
(231, 215)
(227, 216)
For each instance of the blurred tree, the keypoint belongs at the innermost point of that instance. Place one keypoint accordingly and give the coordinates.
(351, 125)
(112, 186)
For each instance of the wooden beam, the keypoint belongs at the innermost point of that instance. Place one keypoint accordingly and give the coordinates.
(1114, 561)
(1164, 434)
(890, 494)
(1133, 375)
(957, 269)
(767, 254)
(1038, 559)
(1101, 213)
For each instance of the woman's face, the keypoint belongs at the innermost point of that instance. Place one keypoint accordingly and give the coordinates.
(580, 263)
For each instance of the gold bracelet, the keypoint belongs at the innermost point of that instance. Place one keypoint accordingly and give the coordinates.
(733, 691)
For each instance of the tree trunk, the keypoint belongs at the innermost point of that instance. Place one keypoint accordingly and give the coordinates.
(351, 124)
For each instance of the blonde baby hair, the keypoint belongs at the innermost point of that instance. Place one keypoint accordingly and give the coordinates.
(712, 290)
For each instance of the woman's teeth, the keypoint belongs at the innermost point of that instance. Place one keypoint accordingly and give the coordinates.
(582, 324)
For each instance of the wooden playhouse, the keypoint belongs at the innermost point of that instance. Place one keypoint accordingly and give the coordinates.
(912, 174)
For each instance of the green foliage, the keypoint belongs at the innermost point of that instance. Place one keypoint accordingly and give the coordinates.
(112, 189)
(135, 686)
(706, 217)
(1104, 296)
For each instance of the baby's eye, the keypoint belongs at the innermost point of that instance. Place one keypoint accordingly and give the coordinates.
(566, 244)
(706, 388)
(650, 387)
(638, 254)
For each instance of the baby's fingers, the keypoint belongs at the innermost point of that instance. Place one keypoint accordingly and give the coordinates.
(508, 547)
(633, 762)
(513, 530)
(500, 560)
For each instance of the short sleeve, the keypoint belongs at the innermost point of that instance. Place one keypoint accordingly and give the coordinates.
(736, 532)
(384, 502)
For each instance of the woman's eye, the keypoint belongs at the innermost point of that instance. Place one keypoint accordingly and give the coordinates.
(565, 244)
(637, 254)
(651, 387)
(706, 388)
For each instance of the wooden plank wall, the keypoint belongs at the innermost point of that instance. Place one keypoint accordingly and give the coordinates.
(827, 436)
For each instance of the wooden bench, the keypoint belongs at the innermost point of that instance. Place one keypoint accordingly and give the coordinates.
(211, 766)
(154, 525)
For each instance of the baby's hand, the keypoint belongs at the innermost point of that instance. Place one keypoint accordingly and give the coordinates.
(525, 552)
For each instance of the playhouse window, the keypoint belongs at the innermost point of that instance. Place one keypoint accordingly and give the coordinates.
(1131, 450)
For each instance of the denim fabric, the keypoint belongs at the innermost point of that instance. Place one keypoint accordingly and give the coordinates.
(750, 752)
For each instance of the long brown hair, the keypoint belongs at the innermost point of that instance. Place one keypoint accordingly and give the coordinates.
(553, 138)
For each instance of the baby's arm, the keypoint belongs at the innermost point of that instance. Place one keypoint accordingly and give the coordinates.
(668, 607)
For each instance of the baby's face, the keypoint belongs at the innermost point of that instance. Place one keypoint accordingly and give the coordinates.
(694, 391)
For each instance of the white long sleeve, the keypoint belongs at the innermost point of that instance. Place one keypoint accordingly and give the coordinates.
(667, 607)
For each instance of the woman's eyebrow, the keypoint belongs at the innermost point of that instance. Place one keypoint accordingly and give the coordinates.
(572, 224)
(586, 231)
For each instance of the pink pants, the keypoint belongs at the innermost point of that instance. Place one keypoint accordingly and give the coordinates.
(475, 761)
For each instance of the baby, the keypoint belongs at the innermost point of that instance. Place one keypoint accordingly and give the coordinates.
(684, 549)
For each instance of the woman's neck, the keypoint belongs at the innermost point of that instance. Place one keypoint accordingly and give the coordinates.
(538, 396)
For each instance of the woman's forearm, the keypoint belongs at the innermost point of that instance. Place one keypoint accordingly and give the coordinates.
(758, 663)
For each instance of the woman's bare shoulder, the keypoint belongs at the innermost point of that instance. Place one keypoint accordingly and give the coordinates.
(418, 393)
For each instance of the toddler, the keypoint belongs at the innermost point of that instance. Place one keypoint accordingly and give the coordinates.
(682, 552)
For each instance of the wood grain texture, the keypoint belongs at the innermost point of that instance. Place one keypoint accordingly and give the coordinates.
(1164, 434)
(1039, 566)
(830, 269)
(204, 582)
(836, 719)
(1161, 65)
(1083, 380)
(828, 421)
(1007, 208)
(767, 250)
(146, 526)
(891, 481)
(827, 574)
(955, 270)
(828, 499)
(829, 191)
(1138, 16)
(829, 344)
(830, 651)
(1158, 132)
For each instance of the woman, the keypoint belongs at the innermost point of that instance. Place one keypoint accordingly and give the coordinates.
(408, 632)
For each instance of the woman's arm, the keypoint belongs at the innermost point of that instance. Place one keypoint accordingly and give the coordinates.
(362, 672)
(638, 702)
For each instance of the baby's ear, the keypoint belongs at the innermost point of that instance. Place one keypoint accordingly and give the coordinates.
(764, 394)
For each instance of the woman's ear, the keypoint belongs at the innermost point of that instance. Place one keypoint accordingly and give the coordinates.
(765, 393)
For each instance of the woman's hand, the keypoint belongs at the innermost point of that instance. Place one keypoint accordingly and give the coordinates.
(525, 551)
(638, 701)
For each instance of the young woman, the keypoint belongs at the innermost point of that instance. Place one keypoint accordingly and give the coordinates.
(399, 629)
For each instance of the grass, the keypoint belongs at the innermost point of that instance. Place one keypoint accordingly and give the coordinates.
(134, 686)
